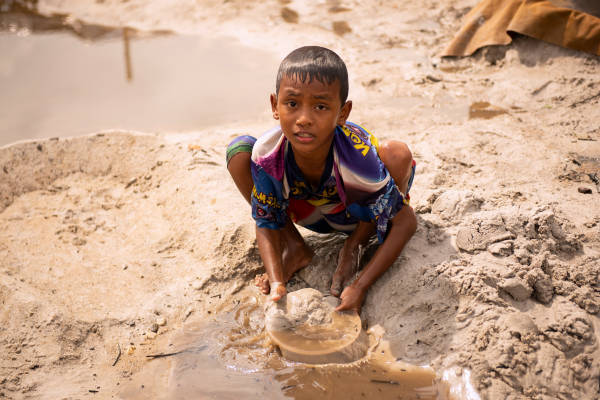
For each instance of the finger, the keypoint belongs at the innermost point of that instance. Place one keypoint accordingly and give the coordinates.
(343, 305)
(264, 285)
(348, 307)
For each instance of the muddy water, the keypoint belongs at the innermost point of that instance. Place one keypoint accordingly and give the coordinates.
(54, 83)
(343, 329)
(484, 110)
(231, 357)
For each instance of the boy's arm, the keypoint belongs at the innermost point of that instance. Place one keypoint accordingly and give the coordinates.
(404, 225)
(360, 235)
(348, 257)
(269, 247)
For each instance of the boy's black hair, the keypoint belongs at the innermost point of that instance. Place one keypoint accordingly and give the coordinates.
(314, 62)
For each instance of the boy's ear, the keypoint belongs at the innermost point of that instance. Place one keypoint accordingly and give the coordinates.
(344, 113)
(274, 106)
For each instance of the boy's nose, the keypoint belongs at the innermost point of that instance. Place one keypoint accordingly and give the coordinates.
(303, 118)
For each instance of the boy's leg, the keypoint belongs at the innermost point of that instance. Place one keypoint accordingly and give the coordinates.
(347, 265)
(296, 253)
(397, 158)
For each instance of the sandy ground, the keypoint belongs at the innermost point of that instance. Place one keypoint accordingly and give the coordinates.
(109, 237)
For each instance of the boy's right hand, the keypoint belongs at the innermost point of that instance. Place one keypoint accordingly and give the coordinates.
(278, 290)
(352, 298)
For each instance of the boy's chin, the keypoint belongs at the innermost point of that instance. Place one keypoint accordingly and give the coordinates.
(304, 147)
(307, 144)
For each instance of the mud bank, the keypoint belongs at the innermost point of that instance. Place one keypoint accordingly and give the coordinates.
(110, 242)
(100, 256)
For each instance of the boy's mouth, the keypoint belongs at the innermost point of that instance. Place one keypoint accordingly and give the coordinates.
(304, 137)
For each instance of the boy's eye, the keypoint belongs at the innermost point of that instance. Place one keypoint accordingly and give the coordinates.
(291, 103)
(321, 107)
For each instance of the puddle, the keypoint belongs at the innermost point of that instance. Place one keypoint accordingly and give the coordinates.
(231, 357)
(309, 339)
(66, 80)
(586, 164)
(306, 328)
(582, 168)
(452, 68)
(484, 110)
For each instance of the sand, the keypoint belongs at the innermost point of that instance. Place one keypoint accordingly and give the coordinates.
(110, 242)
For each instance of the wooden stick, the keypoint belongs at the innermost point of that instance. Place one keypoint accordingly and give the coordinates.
(118, 355)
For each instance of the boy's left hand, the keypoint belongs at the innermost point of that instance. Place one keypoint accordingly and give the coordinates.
(352, 299)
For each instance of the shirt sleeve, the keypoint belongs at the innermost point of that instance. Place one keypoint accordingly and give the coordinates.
(268, 204)
(384, 207)
(371, 193)
(387, 204)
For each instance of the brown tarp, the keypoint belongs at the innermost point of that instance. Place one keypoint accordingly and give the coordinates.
(569, 23)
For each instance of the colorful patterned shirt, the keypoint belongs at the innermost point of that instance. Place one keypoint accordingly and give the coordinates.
(355, 186)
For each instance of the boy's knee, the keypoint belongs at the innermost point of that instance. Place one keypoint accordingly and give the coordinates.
(407, 220)
(396, 157)
(412, 220)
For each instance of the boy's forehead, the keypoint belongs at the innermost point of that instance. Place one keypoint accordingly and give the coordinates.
(294, 83)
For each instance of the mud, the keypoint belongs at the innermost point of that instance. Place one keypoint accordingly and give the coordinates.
(484, 110)
(307, 329)
(236, 359)
(103, 236)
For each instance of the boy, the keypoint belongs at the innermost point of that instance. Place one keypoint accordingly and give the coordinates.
(323, 173)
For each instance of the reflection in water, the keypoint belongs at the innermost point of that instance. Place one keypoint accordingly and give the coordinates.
(231, 357)
(128, 71)
(66, 79)
(21, 17)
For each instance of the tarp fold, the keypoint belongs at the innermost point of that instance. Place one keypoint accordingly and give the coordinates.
(564, 23)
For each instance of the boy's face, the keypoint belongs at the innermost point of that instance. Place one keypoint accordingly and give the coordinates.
(309, 113)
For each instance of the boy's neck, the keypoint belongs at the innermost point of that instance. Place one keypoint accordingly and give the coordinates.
(312, 165)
